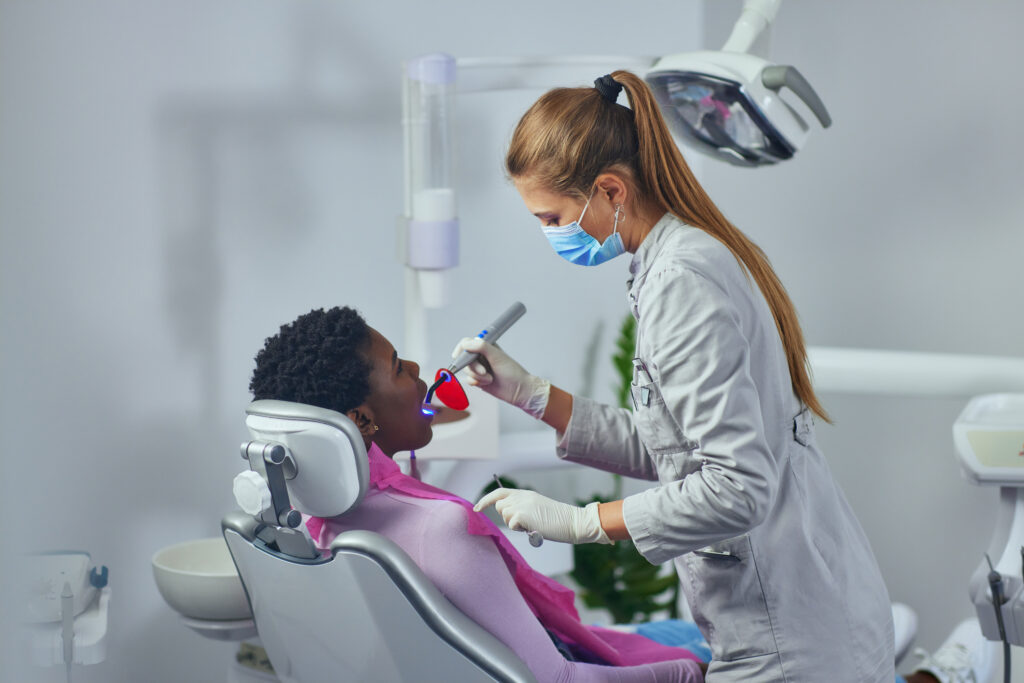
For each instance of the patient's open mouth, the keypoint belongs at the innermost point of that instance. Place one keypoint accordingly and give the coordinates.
(425, 407)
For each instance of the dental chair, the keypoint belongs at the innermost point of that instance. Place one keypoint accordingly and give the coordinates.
(360, 610)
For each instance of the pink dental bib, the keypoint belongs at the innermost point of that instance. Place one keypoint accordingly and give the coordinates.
(550, 602)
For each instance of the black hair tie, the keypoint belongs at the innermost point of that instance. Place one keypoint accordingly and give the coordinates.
(608, 87)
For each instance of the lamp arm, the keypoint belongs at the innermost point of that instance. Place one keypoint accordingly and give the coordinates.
(755, 18)
(879, 372)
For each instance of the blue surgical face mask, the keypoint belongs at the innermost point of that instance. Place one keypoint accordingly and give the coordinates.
(575, 245)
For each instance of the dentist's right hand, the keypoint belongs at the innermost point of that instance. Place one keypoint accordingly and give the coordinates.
(555, 521)
(499, 375)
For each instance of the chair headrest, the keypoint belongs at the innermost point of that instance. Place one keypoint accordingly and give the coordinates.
(331, 472)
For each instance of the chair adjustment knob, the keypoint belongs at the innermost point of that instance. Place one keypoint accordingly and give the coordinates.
(252, 493)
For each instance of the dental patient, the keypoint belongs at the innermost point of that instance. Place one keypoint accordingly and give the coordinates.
(333, 360)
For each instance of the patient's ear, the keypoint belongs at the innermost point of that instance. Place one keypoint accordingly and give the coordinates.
(362, 416)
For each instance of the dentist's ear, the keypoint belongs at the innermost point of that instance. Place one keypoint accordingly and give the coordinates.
(362, 416)
(613, 187)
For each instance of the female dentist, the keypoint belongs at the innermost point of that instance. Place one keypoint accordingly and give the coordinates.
(777, 571)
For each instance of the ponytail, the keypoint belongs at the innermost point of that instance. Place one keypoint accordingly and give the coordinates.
(572, 135)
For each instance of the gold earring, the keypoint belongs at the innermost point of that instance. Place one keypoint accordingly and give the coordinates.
(376, 428)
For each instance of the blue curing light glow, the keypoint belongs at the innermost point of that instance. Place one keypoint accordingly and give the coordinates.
(427, 410)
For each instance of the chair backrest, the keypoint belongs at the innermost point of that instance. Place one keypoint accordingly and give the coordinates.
(332, 473)
(361, 610)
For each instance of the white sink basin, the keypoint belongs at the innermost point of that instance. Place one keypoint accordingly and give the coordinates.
(199, 581)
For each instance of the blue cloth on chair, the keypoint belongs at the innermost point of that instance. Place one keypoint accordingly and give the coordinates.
(677, 633)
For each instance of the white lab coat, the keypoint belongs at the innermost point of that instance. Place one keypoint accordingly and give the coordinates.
(777, 571)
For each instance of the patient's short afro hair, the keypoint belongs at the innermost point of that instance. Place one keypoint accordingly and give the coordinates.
(319, 359)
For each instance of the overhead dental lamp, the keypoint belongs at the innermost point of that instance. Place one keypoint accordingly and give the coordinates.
(726, 104)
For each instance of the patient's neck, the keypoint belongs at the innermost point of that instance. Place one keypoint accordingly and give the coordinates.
(385, 451)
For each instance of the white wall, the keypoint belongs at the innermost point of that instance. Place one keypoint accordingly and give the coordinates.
(900, 227)
(179, 179)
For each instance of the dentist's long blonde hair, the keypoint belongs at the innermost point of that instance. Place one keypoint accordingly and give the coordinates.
(571, 135)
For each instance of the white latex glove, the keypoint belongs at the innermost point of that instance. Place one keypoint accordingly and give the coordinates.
(530, 511)
(506, 379)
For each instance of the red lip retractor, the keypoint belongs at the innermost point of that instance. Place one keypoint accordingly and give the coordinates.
(448, 390)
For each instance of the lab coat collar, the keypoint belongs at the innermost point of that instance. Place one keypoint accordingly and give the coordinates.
(649, 249)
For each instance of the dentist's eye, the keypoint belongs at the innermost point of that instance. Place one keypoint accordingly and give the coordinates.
(547, 220)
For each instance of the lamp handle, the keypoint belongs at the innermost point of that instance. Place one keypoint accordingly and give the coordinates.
(776, 77)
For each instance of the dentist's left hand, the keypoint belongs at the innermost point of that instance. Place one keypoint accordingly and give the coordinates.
(530, 511)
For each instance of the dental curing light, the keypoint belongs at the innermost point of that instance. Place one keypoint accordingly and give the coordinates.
(448, 390)
(726, 104)
(446, 386)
